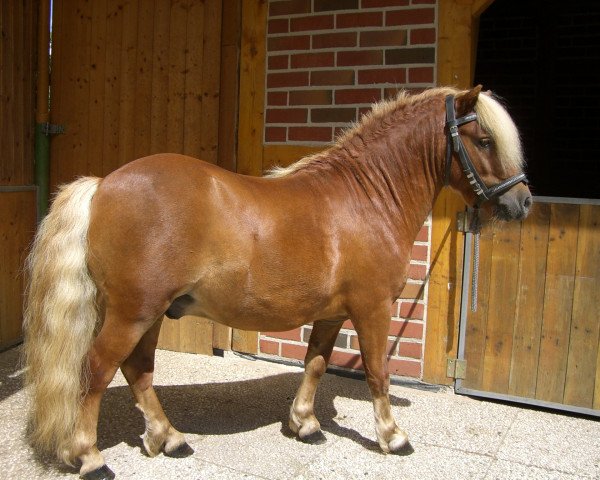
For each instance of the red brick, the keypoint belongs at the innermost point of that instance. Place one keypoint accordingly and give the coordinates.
(332, 77)
(310, 60)
(348, 325)
(287, 115)
(313, 22)
(310, 97)
(412, 291)
(423, 235)
(346, 360)
(288, 335)
(362, 19)
(277, 98)
(395, 309)
(360, 57)
(410, 349)
(290, 350)
(422, 35)
(382, 75)
(334, 40)
(310, 134)
(420, 75)
(287, 79)
(269, 347)
(424, 2)
(412, 310)
(300, 42)
(278, 25)
(406, 329)
(278, 62)
(326, 5)
(363, 95)
(413, 16)
(419, 252)
(417, 272)
(289, 7)
(382, 38)
(337, 131)
(332, 115)
(275, 134)
(383, 3)
(405, 368)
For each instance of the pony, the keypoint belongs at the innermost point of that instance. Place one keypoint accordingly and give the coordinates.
(321, 241)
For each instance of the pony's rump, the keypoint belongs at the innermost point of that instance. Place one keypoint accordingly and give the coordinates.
(59, 318)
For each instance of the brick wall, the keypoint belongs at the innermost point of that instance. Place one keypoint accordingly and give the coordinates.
(327, 62)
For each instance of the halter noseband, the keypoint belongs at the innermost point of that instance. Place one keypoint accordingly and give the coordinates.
(455, 145)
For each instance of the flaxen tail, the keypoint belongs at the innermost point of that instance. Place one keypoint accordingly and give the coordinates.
(59, 318)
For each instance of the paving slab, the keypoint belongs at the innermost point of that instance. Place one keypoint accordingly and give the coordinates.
(234, 413)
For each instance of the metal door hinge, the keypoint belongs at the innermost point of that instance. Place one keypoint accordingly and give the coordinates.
(456, 368)
(52, 129)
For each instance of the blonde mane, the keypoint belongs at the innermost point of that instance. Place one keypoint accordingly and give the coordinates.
(491, 115)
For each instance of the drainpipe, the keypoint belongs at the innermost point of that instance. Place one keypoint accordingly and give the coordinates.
(42, 116)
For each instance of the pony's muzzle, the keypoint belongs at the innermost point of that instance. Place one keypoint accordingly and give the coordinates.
(514, 204)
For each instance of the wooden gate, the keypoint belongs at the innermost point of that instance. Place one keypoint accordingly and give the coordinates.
(535, 335)
(18, 21)
(132, 78)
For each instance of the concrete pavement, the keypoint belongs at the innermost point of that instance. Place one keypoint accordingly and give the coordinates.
(234, 413)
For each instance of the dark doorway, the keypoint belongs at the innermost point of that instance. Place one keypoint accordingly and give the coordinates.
(543, 57)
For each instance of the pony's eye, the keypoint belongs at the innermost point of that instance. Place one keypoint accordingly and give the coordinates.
(485, 143)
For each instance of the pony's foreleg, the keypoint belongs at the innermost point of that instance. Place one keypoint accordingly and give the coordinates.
(303, 421)
(138, 369)
(114, 343)
(372, 329)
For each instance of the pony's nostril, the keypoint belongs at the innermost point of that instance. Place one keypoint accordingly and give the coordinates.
(527, 202)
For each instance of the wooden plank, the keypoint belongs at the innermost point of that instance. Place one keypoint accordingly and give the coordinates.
(127, 113)
(143, 81)
(585, 328)
(160, 77)
(97, 73)
(229, 99)
(252, 88)
(558, 302)
(31, 29)
(18, 94)
(196, 335)
(502, 304)
(176, 90)
(8, 93)
(477, 321)
(112, 88)
(211, 80)
(17, 226)
(530, 302)
(195, 70)
(444, 288)
(455, 64)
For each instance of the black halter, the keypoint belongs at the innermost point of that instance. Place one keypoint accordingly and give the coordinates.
(455, 145)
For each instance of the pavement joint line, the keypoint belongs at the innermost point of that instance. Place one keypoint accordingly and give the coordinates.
(501, 442)
(231, 469)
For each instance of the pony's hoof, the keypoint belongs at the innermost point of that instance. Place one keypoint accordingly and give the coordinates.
(404, 450)
(182, 451)
(315, 438)
(102, 473)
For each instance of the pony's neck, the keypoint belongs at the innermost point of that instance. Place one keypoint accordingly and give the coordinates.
(399, 164)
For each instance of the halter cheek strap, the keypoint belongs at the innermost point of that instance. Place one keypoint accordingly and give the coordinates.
(455, 145)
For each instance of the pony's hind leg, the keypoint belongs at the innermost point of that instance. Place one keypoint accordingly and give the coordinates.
(372, 329)
(303, 421)
(138, 369)
(115, 342)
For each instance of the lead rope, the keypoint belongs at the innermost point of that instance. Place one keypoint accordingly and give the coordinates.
(475, 228)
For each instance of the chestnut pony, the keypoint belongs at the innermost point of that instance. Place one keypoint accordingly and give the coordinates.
(326, 239)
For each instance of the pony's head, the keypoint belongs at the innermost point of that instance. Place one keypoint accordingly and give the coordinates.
(484, 158)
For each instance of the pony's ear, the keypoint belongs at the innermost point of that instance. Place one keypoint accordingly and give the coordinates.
(465, 102)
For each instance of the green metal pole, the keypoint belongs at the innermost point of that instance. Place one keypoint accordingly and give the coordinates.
(42, 169)
(42, 139)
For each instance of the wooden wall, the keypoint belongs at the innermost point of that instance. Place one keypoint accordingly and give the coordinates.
(18, 22)
(133, 78)
(536, 332)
